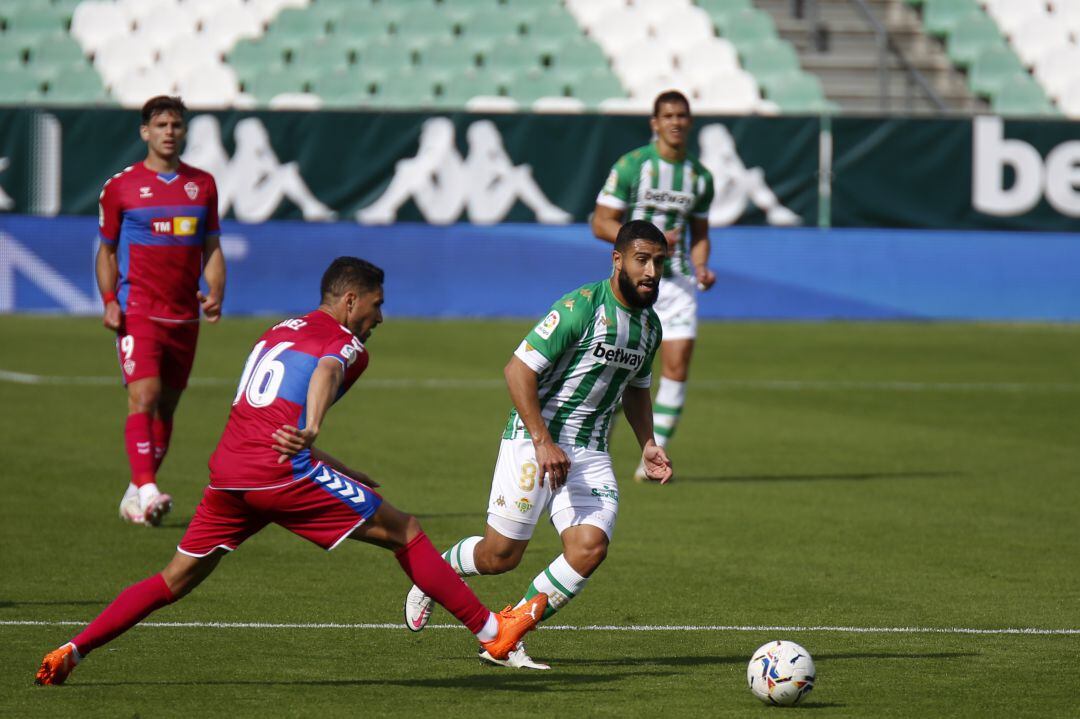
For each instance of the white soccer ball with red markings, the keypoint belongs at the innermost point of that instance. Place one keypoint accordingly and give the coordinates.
(781, 673)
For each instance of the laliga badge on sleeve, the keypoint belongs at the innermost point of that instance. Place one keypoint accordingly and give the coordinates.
(548, 325)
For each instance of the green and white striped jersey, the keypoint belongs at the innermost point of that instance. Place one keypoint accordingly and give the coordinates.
(648, 187)
(586, 351)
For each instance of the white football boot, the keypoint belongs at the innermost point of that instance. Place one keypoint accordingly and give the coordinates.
(418, 608)
(156, 509)
(130, 511)
(518, 659)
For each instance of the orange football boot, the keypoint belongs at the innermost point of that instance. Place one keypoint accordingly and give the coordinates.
(56, 665)
(514, 624)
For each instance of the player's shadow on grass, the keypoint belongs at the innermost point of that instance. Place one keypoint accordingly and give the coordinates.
(493, 680)
(824, 477)
(894, 655)
(712, 660)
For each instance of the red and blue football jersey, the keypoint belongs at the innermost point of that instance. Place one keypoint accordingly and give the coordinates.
(273, 392)
(159, 223)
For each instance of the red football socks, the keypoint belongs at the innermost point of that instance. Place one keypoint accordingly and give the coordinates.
(162, 433)
(139, 442)
(132, 606)
(429, 571)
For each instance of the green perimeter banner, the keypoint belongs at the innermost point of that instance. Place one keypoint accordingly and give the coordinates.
(982, 172)
(378, 168)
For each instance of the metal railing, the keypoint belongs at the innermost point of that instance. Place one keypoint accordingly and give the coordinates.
(886, 49)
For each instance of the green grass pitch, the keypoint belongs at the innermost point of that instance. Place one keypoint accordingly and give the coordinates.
(829, 475)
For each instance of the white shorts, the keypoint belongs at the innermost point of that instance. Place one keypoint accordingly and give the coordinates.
(677, 307)
(517, 501)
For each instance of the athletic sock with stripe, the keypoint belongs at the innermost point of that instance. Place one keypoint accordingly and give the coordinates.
(560, 582)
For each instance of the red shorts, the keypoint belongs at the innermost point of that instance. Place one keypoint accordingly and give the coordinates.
(150, 348)
(324, 508)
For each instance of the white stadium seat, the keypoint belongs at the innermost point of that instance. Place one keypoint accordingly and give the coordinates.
(558, 105)
(162, 26)
(229, 24)
(139, 9)
(684, 27)
(588, 12)
(491, 103)
(1036, 36)
(1011, 15)
(638, 65)
(626, 106)
(203, 9)
(714, 56)
(1070, 101)
(619, 29)
(656, 11)
(210, 85)
(95, 24)
(136, 87)
(267, 10)
(123, 56)
(1058, 68)
(734, 92)
(186, 52)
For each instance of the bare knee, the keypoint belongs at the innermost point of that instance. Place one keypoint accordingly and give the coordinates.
(184, 573)
(585, 558)
(495, 559)
(143, 400)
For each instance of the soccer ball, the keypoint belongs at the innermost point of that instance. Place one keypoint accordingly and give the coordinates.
(780, 673)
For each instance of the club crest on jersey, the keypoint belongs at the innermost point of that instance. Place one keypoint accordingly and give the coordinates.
(618, 356)
(523, 505)
(192, 190)
(145, 193)
(351, 351)
(129, 366)
(548, 325)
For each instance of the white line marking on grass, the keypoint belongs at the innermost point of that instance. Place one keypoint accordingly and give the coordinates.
(472, 384)
(569, 628)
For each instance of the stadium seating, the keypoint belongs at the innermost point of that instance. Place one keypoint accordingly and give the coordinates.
(994, 42)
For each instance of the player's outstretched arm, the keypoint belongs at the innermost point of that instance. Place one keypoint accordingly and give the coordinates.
(214, 273)
(606, 222)
(107, 275)
(637, 406)
(550, 459)
(322, 389)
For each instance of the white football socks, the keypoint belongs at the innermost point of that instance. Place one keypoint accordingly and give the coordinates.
(460, 557)
(667, 407)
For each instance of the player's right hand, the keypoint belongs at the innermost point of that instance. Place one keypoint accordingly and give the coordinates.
(112, 316)
(290, 441)
(552, 463)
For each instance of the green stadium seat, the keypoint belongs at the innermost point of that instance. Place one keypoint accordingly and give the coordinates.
(298, 22)
(11, 51)
(64, 53)
(77, 88)
(993, 68)
(555, 23)
(513, 56)
(1022, 96)
(342, 89)
(323, 57)
(457, 90)
(329, 13)
(386, 55)
(722, 12)
(529, 87)
(750, 27)
(596, 86)
(38, 18)
(800, 93)
(940, 17)
(579, 54)
(448, 55)
(360, 27)
(975, 32)
(494, 24)
(20, 87)
(249, 58)
(264, 86)
(404, 90)
(423, 27)
(770, 59)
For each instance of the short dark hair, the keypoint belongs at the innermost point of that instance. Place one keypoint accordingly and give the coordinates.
(666, 97)
(350, 273)
(162, 103)
(638, 230)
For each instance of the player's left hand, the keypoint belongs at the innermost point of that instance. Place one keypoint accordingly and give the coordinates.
(657, 465)
(706, 278)
(289, 441)
(211, 306)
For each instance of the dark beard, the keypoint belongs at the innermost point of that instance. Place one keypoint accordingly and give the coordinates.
(633, 295)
